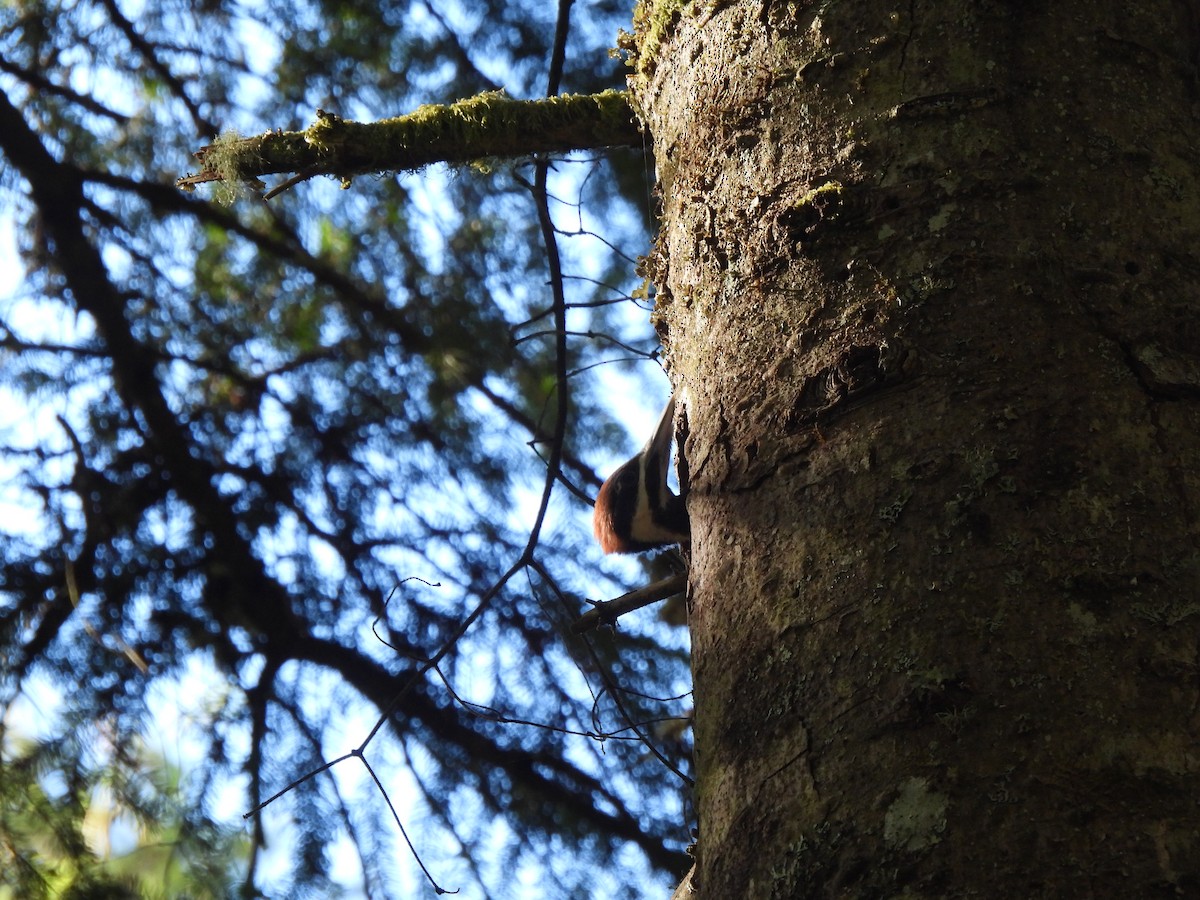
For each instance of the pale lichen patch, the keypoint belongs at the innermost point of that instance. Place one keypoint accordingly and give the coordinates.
(917, 817)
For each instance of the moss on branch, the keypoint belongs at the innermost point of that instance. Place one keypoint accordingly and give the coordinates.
(486, 126)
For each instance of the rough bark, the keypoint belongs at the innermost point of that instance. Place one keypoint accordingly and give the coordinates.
(928, 278)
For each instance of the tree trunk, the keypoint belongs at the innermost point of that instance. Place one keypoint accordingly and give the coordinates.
(928, 278)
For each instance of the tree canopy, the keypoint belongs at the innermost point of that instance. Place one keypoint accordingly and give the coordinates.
(274, 469)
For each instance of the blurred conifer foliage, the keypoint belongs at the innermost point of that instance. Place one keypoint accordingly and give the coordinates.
(261, 460)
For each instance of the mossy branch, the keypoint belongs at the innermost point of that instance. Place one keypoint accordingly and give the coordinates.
(487, 126)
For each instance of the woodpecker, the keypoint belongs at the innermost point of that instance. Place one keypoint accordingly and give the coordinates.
(635, 510)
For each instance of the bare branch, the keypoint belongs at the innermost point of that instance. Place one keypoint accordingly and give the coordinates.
(608, 612)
